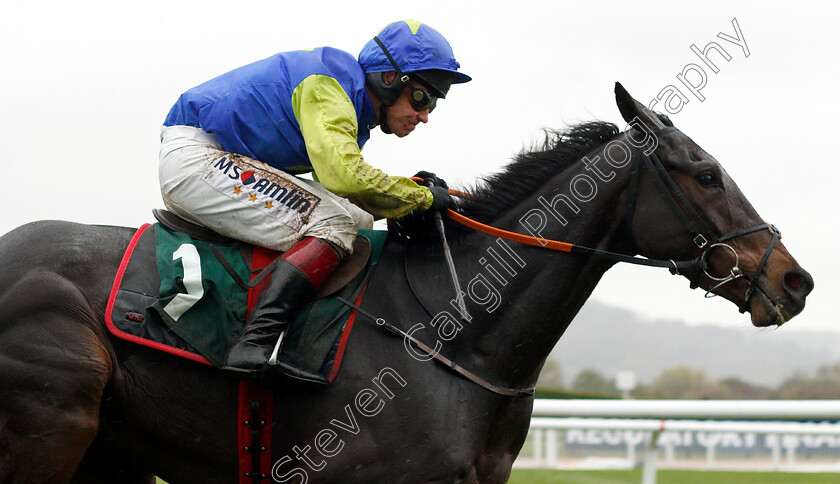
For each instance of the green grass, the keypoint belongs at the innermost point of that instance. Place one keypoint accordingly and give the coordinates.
(522, 476)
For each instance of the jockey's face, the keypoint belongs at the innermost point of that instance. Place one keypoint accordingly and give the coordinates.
(402, 117)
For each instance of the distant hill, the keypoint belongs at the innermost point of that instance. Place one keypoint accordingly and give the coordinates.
(609, 339)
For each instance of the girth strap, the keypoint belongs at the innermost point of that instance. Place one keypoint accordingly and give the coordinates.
(254, 417)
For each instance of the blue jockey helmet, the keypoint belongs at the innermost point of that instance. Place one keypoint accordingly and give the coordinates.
(413, 50)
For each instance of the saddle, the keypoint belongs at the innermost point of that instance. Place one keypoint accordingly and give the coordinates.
(341, 276)
(182, 289)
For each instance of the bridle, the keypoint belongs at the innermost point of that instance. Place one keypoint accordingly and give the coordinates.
(702, 236)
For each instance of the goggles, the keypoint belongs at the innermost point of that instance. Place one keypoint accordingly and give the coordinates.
(422, 99)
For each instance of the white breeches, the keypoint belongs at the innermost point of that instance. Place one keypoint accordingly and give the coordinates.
(247, 200)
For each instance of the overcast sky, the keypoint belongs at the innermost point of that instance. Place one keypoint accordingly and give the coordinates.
(84, 87)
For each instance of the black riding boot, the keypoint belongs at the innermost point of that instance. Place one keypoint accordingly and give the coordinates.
(298, 275)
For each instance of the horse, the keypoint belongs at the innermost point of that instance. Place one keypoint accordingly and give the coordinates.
(79, 405)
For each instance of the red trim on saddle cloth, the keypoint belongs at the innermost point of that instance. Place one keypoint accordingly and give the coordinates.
(251, 390)
(315, 258)
(260, 259)
(345, 335)
(109, 309)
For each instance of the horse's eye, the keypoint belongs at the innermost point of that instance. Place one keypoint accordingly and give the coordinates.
(707, 179)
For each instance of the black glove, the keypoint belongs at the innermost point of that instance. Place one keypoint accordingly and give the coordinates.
(418, 222)
(442, 199)
(430, 179)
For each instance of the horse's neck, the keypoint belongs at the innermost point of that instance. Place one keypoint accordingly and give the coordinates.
(548, 288)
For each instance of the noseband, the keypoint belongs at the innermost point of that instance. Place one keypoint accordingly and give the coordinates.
(702, 236)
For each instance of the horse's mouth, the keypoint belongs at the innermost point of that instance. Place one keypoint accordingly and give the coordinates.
(764, 311)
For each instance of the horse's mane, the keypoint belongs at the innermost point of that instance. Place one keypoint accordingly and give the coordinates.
(532, 168)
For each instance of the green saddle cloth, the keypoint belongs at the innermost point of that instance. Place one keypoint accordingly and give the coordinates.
(190, 303)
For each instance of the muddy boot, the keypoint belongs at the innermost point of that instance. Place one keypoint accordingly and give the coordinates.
(298, 275)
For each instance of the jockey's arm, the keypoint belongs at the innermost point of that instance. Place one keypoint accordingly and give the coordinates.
(329, 126)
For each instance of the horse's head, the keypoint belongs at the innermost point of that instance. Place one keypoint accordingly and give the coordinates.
(687, 206)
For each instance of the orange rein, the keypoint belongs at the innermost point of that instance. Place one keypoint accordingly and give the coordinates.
(504, 234)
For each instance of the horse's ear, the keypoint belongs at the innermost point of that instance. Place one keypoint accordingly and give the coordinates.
(631, 109)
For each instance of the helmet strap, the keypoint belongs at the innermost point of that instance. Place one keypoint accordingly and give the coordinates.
(403, 78)
(383, 118)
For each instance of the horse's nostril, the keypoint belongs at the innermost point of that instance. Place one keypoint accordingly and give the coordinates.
(797, 283)
(793, 280)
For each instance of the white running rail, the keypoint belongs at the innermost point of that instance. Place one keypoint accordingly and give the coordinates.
(772, 417)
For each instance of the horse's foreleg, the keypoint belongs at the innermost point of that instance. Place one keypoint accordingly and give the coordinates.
(53, 369)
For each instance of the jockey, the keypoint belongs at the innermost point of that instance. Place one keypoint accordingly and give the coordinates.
(231, 149)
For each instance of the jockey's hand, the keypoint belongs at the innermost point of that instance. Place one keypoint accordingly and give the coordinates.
(430, 179)
(442, 200)
(418, 223)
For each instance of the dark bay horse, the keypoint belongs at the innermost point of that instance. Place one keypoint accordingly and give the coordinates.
(78, 405)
